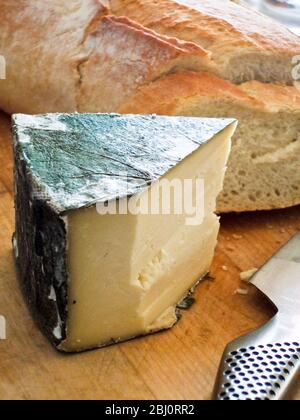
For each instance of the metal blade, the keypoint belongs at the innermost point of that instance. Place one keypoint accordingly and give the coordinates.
(279, 280)
(263, 364)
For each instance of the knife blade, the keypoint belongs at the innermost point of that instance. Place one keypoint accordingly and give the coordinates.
(264, 364)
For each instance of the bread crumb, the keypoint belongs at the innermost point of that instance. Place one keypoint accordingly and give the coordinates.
(247, 275)
(243, 292)
(235, 236)
(269, 226)
(282, 230)
(224, 268)
(230, 248)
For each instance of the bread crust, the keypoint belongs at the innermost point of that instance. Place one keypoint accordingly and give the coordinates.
(165, 96)
(72, 56)
(124, 55)
(275, 97)
(59, 56)
(236, 35)
(84, 55)
(42, 49)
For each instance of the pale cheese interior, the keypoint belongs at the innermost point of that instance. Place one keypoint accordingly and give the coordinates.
(127, 273)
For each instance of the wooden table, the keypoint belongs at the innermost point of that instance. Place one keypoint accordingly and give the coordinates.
(179, 364)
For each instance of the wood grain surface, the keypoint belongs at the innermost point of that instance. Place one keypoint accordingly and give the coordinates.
(178, 364)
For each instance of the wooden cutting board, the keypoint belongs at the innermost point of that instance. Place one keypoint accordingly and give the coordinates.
(178, 364)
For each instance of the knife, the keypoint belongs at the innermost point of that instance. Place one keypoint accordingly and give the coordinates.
(264, 364)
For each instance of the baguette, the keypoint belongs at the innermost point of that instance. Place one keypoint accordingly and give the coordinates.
(245, 44)
(42, 49)
(124, 55)
(171, 57)
(264, 167)
(66, 59)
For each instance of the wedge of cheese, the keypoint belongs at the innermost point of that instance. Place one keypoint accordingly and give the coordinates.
(95, 267)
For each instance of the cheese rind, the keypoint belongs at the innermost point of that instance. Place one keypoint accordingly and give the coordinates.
(93, 279)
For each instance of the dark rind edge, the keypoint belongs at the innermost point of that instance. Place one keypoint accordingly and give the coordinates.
(39, 246)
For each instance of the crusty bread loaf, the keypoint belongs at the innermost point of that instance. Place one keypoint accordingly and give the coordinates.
(70, 56)
(245, 44)
(41, 45)
(123, 55)
(264, 168)
(168, 57)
